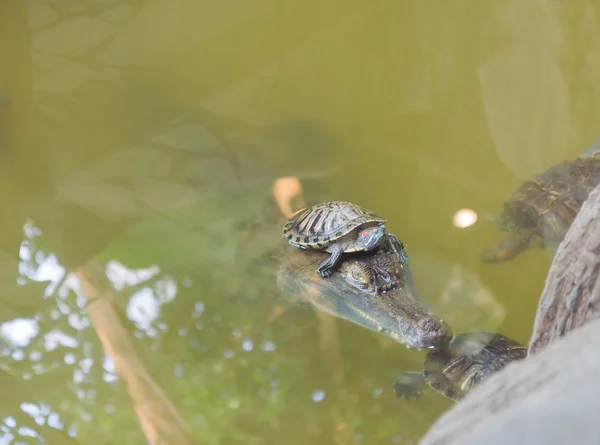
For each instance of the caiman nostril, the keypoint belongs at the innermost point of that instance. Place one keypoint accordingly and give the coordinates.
(428, 324)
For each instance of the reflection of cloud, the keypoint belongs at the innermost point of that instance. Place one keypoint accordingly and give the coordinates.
(143, 308)
(41, 413)
(20, 331)
(121, 276)
(318, 396)
(464, 218)
(144, 305)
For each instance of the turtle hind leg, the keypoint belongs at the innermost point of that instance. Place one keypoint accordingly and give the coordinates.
(409, 384)
(327, 267)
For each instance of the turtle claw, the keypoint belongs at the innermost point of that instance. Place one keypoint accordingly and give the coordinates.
(324, 272)
(408, 385)
(407, 393)
(327, 267)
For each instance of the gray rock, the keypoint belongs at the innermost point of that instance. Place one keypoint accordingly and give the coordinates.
(571, 296)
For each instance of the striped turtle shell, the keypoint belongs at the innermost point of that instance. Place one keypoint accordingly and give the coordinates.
(322, 224)
(556, 194)
(545, 207)
(469, 359)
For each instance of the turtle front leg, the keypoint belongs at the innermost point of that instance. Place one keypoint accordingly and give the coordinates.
(408, 385)
(396, 248)
(326, 268)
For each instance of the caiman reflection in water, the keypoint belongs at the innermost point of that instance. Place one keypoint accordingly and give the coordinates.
(373, 290)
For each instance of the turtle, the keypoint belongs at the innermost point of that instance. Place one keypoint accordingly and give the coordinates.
(371, 289)
(467, 360)
(542, 209)
(337, 227)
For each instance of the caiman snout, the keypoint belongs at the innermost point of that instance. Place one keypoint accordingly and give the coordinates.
(435, 334)
(427, 332)
(428, 324)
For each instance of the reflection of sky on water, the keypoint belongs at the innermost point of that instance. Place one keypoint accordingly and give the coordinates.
(464, 218)
(41, 414)
(143, 308)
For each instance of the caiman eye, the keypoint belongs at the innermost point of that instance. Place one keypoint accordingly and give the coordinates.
(357, 275)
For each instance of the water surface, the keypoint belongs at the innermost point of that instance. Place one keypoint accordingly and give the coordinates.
(140, 142)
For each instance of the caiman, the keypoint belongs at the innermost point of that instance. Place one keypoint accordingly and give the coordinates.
(372, 289)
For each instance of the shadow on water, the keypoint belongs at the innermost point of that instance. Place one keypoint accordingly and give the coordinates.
(150, 154)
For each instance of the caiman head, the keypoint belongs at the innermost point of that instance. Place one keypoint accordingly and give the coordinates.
(373, 290)
(373, 275)
(394, 303)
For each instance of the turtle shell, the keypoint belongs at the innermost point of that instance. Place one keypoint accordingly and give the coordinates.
(467, 360)
(322, 224)
(549, 203)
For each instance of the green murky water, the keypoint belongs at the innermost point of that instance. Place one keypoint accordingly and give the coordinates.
(143, 139)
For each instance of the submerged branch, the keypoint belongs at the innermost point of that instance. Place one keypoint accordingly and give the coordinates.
(158, 416)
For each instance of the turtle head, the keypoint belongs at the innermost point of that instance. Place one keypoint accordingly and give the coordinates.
(370, 237)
